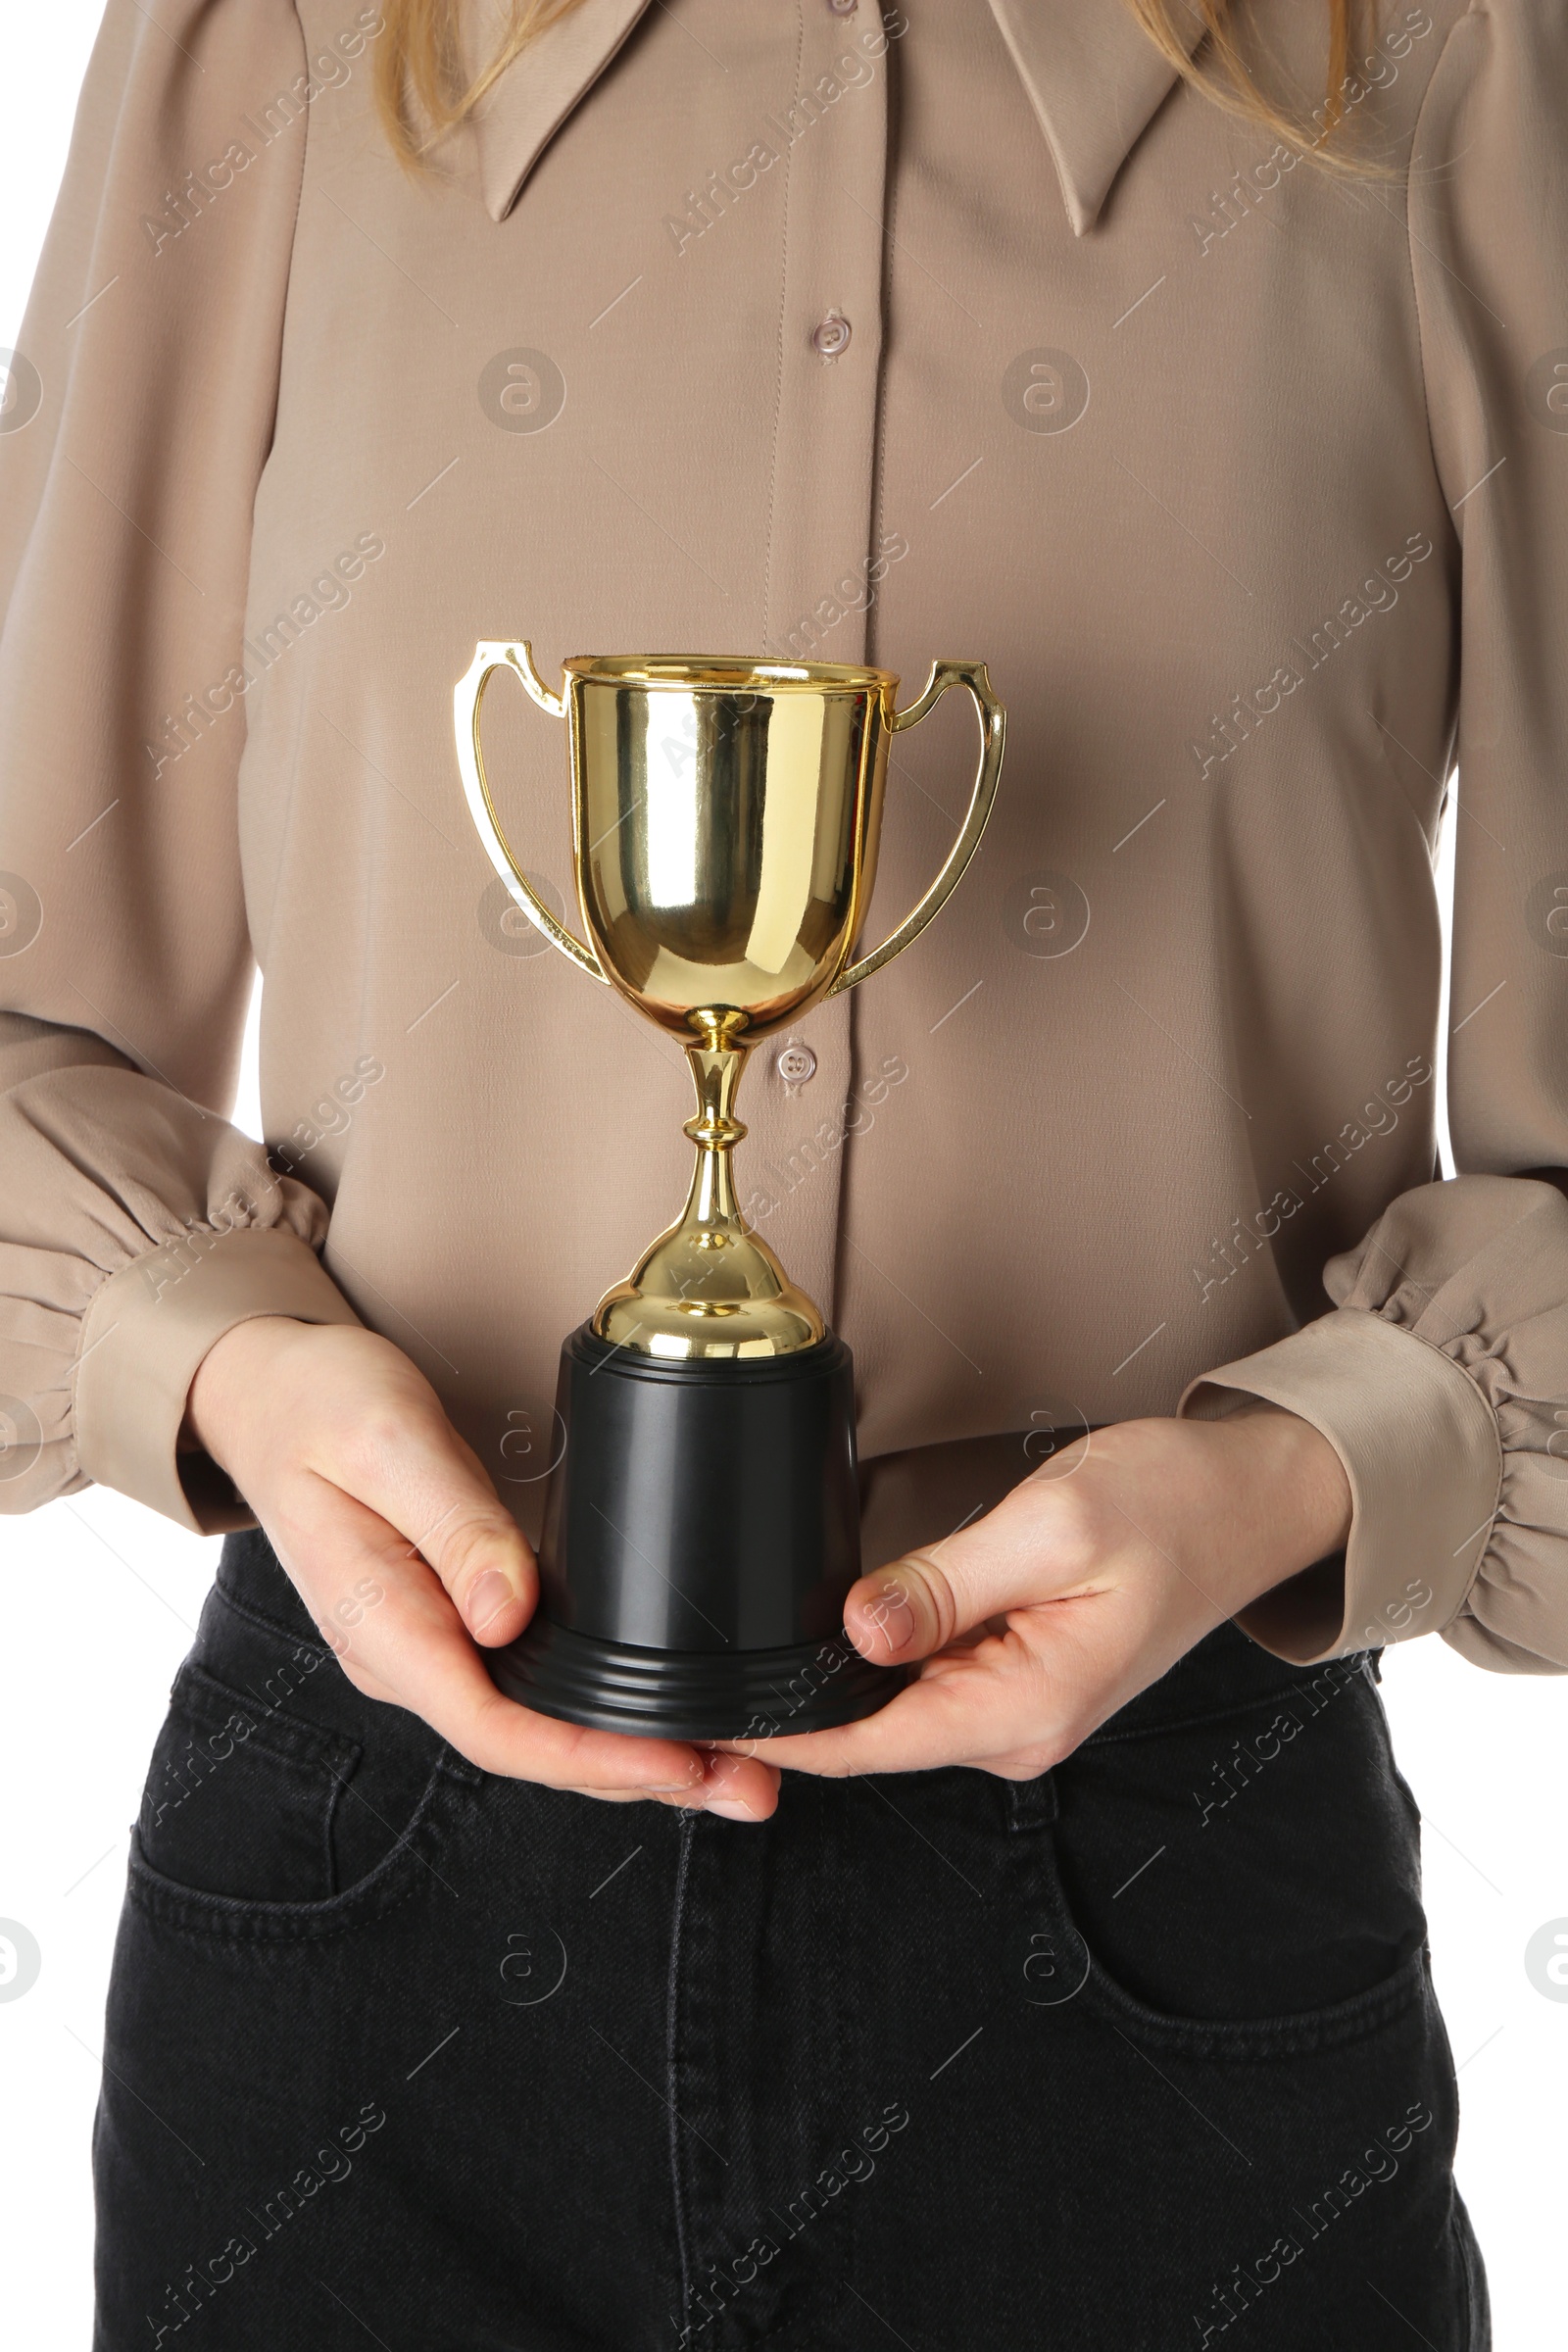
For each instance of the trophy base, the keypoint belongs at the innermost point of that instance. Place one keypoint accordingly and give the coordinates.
(701, 1533)
(691, 1694)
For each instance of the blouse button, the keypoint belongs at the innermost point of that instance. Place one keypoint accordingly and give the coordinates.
(831, 335)
(797, 1063)
(843, 8)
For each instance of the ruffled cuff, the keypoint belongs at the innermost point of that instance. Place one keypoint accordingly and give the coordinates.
(1419, 1445)
(144, 1336)
(1441, 1382)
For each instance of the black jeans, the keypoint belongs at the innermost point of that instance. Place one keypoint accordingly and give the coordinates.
(1137, 2056)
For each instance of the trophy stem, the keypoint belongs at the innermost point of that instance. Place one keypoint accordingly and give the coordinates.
(715, 1131)
(711, 1286)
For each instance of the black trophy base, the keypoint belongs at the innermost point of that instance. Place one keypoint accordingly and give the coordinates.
(689, 1693)
(701, 1533)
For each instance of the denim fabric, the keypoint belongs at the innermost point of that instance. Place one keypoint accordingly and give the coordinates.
(1137, 2056)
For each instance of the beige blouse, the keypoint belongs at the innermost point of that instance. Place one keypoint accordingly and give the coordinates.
(787, 327)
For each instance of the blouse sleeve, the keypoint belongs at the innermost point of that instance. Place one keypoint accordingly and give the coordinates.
(1441, 1376)
(137, 1225)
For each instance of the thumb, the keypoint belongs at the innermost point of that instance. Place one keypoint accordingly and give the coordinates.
(927, 1598)
(415, 1472)
(483, 1559)
(462, 1529)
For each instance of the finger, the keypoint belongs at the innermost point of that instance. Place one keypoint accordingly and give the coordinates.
(412, 1469)
(738, 1787)
(1008, 1695)
(719, 1793)
(400, 1629)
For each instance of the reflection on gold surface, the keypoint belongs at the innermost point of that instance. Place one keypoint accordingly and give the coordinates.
(725, 819)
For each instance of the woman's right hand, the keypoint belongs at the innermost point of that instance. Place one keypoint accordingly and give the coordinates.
(405, 1558)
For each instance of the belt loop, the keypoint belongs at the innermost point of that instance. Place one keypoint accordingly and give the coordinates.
(1033, 1804)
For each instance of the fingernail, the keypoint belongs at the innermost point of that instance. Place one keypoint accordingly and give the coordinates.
(488, 1595)
(730, 1809)
(893, 1617)
(693, 1779)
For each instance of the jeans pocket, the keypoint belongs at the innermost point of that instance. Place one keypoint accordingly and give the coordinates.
(239, 1798)
(280, 1803)
(1245, 1880)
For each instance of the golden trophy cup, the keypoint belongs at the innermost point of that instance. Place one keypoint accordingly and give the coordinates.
(702, 1525)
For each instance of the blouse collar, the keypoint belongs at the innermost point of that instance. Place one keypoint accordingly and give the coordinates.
(1092, 76)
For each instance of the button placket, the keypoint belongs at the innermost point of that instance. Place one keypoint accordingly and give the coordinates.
(792, 1165)
(826, 440)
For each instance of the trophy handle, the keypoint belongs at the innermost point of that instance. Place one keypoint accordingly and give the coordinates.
(467, 700)
(993, 733)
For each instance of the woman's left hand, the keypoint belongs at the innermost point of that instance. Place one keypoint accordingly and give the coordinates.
(1079, 1589)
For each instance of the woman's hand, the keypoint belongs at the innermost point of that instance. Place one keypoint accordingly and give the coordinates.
(405, 1558)
(1080, 1589)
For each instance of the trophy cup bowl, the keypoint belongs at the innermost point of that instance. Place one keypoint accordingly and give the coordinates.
(701, 1525)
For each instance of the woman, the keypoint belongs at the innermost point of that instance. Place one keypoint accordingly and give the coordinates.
(1079, 1995)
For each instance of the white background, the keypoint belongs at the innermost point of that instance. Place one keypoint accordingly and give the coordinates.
(98, 1600)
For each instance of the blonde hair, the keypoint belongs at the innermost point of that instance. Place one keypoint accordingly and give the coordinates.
(424, 94)
(421, 91)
